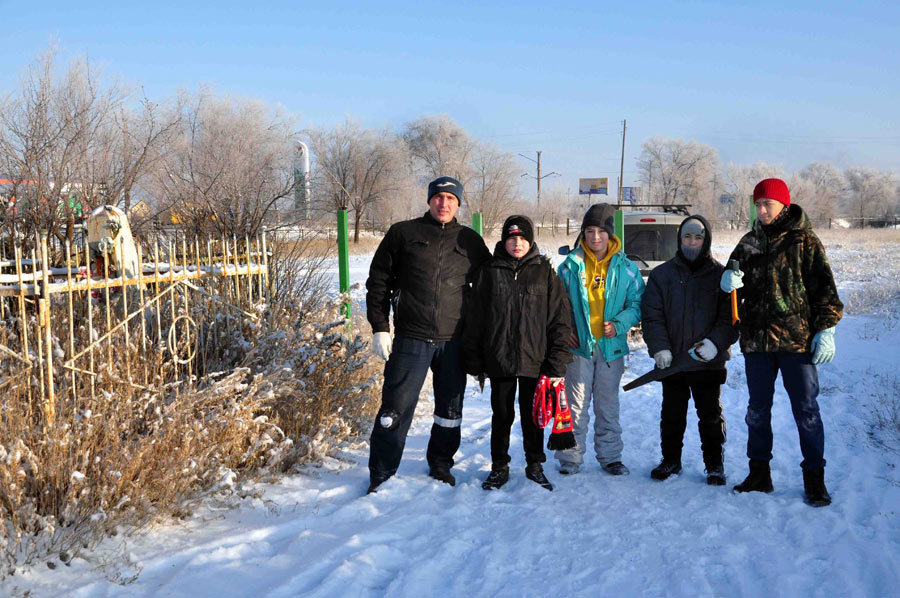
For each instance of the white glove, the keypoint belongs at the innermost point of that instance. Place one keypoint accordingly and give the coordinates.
(704, 351)
(731, 280)
(663, 359)
(381, 345)
(554, 382)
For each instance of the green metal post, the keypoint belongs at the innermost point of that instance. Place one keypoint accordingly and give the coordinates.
(476, 223)
(343, 256)
(619, 223)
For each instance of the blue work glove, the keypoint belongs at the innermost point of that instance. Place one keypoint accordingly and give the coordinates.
(731, 280)
(823, 346)
(704, 351)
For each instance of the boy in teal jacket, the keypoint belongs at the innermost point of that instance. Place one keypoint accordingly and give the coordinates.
(605, 290)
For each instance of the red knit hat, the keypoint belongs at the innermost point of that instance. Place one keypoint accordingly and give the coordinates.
(772, 189)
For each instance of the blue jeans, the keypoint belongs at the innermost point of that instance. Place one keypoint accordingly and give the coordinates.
(801, 381)
(404, 375)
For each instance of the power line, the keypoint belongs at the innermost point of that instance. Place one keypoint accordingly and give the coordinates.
(605, 130)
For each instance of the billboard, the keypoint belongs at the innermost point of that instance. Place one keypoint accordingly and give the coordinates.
(631, 195)
(593, 186)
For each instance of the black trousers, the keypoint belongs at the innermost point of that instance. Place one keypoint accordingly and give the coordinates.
(706, 388)
(404, 375)
(503, 397)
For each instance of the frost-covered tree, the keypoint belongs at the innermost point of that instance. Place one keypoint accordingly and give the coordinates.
(357, 168)
(439, 147)
(227, 167)
(676, 171)
(740, 179)
(873, 194)
(827, 188)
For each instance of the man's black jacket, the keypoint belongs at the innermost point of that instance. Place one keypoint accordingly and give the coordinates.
(519, 319)
(423, 268)
(683, 304)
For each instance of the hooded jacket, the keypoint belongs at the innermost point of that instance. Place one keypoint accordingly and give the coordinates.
(519, 318)
(789, 292)
(623, 289)
(683, 304)
(423, 269)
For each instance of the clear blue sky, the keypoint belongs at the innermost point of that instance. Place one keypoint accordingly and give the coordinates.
(758, 81)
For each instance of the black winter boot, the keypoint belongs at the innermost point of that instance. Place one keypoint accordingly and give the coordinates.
(665, 469)
(535, 473)
(496, 478)
(814, 485)
(443, 475)
(758, 480)
(374, 482)
(715, 475)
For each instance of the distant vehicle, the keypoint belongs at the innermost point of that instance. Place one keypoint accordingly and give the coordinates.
(651, 238)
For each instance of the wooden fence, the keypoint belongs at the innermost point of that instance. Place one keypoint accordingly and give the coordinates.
(67, 334)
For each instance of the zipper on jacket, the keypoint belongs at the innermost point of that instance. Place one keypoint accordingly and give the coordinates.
(768, 293)
(437, 284)
(518, 316)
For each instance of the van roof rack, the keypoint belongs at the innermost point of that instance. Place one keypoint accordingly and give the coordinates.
(674, 208)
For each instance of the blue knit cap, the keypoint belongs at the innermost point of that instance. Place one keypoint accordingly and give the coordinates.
(447, 184)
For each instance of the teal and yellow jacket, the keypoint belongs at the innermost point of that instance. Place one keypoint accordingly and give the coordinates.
(624, 288)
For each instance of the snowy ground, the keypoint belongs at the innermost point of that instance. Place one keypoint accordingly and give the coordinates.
(318, 534)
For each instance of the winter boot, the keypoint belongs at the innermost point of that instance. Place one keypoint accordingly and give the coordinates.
(814, 485)
(567, 468)
(715, 475)
(374, 482)
(665, 469)
(443, 475)
(616, 468)
(535, 473)
(758, 480)
(496, 479)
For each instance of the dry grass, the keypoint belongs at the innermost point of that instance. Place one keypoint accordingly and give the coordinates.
(287, 390)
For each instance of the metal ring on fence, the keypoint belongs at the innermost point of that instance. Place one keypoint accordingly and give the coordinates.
(170, 343)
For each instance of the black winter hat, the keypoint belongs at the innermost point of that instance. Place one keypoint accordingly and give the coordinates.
(602, 215)
(445, 183)
(520, 226)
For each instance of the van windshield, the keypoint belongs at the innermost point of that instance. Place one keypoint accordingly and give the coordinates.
(651, 242)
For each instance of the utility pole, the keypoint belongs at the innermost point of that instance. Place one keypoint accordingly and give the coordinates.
(622, 164)
(539, 177)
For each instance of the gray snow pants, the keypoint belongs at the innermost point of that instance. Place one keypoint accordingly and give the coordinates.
(598, 379)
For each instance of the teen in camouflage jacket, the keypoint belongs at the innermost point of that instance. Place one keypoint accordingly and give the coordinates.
(789, 307)
(789, 292)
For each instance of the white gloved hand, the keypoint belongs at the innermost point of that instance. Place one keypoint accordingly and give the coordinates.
(731, 280)
(704, 351)
(381, 345)
(554, 382)
(663, 359)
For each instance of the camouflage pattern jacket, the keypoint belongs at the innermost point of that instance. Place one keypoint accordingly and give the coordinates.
(789, 292)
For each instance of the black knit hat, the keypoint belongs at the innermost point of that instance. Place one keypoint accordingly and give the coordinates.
(602, 215)
(518, 226)
(445, 183)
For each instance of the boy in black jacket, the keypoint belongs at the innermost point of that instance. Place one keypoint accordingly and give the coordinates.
(683, 308)
(517, 329)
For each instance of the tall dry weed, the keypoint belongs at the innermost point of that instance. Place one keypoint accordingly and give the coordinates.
(264, 395)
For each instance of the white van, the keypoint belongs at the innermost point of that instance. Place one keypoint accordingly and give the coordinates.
(651, 238)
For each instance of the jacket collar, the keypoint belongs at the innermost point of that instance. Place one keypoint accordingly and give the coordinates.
(429, 219)
(501, 257)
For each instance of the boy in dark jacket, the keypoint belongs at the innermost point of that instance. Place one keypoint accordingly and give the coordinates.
(517, 329)
(789, 307)
(682, 307)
